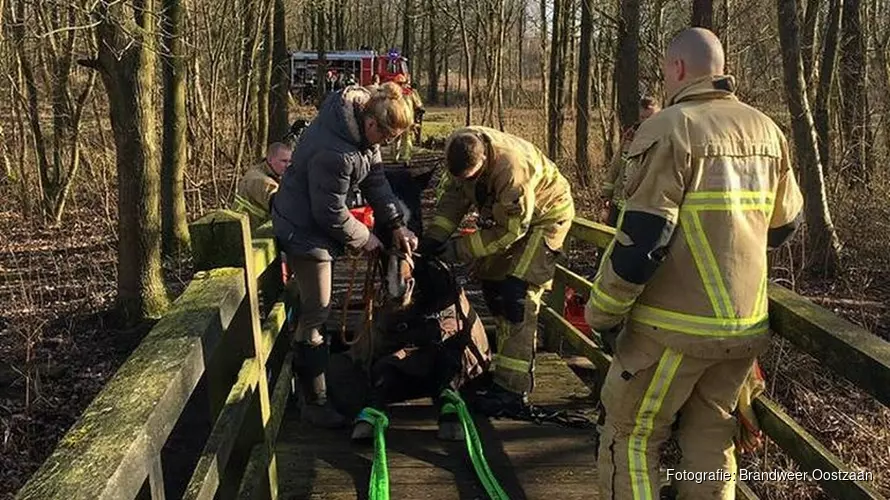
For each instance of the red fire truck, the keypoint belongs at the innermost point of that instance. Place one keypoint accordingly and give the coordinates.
(344, 67)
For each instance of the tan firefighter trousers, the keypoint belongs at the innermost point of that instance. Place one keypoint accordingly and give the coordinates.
(512, 284)
(646, 388)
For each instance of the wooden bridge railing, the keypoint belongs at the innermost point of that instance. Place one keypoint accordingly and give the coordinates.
(215, 331)
(850, 351)
(218, 331)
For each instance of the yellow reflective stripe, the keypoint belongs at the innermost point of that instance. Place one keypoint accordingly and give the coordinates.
(534, 243)
(729, 200)
(243, 204)
(608, 185)
(514, 364)
(706, 326)
(645, 422)
(477, 247)
(605, 302)
(608, 252)
(444, 223)
(707, 265)
(761, 302)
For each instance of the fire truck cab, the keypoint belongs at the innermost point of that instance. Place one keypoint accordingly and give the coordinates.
(344, 67)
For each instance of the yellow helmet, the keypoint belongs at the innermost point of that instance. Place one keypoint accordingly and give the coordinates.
(400, 79)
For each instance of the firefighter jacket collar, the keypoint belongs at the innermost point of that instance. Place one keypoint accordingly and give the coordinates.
(706, 87)
(267, 169)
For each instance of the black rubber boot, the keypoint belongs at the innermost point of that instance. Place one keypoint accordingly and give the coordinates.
(311, 362)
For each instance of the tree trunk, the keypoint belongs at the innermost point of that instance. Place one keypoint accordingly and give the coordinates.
(432, 91)
(853, 80)
(520, 42)
(173, 214)
(702, 13)
(408, 32)
(127, 64)
(279, 120)
(249, 74)
(545, 94)
(808, 40)
(469, 61)
(823, 246)
(265, 78)
(582, 118)
(627, 67)
(554, 138)
(826, 82)
(320, 44)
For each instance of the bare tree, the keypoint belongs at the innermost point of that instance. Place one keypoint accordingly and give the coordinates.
(557, 88)
(278, 101)
(127, 62)
(59, 164)
(627, 67)
(826, 82)
(808, 39)
(823, 246)
(702, 13)
(582, 127)
(854, 103)
(264, 74)
(174, 221)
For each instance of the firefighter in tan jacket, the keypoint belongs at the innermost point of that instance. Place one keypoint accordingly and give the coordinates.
(259, 184)
(710, 190)
(403, 147)
(526, 209)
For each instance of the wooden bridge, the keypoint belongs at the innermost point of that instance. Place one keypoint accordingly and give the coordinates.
(202, 409)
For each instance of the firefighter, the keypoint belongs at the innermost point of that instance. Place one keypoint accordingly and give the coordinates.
(681, 298)
(613, 185)
(375, 83)
(404, 145)
(338, 154)
(527, 209)
(259, 184)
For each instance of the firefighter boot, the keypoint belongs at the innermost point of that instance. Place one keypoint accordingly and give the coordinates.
(315, 408)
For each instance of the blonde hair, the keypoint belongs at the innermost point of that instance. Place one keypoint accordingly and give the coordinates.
(389, 107)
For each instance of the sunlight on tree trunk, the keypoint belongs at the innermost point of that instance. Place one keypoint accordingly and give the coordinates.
(174, 218)
(823, 246)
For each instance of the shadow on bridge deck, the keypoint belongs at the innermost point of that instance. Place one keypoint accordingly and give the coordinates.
(530, 461)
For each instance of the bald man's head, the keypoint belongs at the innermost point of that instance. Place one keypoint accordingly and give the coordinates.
(693, 53)
(278, 157)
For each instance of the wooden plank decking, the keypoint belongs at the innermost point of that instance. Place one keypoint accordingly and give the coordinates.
(531, 461)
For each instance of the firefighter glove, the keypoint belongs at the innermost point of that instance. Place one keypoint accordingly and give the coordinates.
(608, 338)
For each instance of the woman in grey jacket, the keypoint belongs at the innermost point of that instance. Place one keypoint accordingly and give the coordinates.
(338, 155)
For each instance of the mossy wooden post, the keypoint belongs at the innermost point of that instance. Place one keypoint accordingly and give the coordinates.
(222, 239)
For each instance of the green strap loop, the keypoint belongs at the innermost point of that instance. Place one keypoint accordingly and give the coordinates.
(454, 404)
(378, 489)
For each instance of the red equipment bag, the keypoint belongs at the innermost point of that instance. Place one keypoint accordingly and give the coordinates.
(365, 215)
(574, 311)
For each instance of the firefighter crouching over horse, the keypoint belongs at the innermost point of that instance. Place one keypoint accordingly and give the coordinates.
(337, 154)
(259, 184)
(530, 203)
(710, 190)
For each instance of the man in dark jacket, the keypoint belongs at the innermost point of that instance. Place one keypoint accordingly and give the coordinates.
(337, 156)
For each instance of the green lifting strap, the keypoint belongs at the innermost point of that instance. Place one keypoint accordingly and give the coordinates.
(378, 489)
(454, 404)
